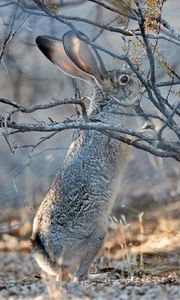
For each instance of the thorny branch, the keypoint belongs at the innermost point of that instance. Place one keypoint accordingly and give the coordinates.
(29, 9)
(52, 104)
(163, 149)
(167, 112)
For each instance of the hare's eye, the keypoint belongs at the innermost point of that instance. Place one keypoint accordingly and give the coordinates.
(124, 79)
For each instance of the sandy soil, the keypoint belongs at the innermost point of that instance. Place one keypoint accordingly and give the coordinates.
(19, 279)
(144, 252)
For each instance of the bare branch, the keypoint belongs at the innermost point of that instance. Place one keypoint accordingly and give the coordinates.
(166, 112)
(43, 139)
(167, 121)
(9, 35)
(173, 30)
(132, 14)
(10, 102)
(52, 104)
(102, 127)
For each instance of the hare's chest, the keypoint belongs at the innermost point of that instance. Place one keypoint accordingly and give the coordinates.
(95, 153)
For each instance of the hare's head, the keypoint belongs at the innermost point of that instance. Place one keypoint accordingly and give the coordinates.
(75, 57)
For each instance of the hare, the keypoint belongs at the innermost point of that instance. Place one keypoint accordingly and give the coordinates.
(71, 222)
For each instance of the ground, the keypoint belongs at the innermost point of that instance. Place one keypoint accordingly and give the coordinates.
(144, 253)
(19, 279)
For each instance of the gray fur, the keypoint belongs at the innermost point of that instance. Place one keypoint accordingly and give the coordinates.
(71, 222)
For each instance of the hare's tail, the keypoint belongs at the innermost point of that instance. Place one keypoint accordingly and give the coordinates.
(41, 255)
(37, 244)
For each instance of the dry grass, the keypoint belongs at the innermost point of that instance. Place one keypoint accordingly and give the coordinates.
(144, 251)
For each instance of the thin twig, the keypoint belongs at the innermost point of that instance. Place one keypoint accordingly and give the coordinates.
(167, 121)
(54, 103)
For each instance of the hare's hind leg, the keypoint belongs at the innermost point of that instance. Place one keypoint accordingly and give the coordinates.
(93, 246)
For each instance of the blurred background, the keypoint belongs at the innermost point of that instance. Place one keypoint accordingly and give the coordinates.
(148, 202)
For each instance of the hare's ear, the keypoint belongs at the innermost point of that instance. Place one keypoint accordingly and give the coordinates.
(84, 56)
(53, 49)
